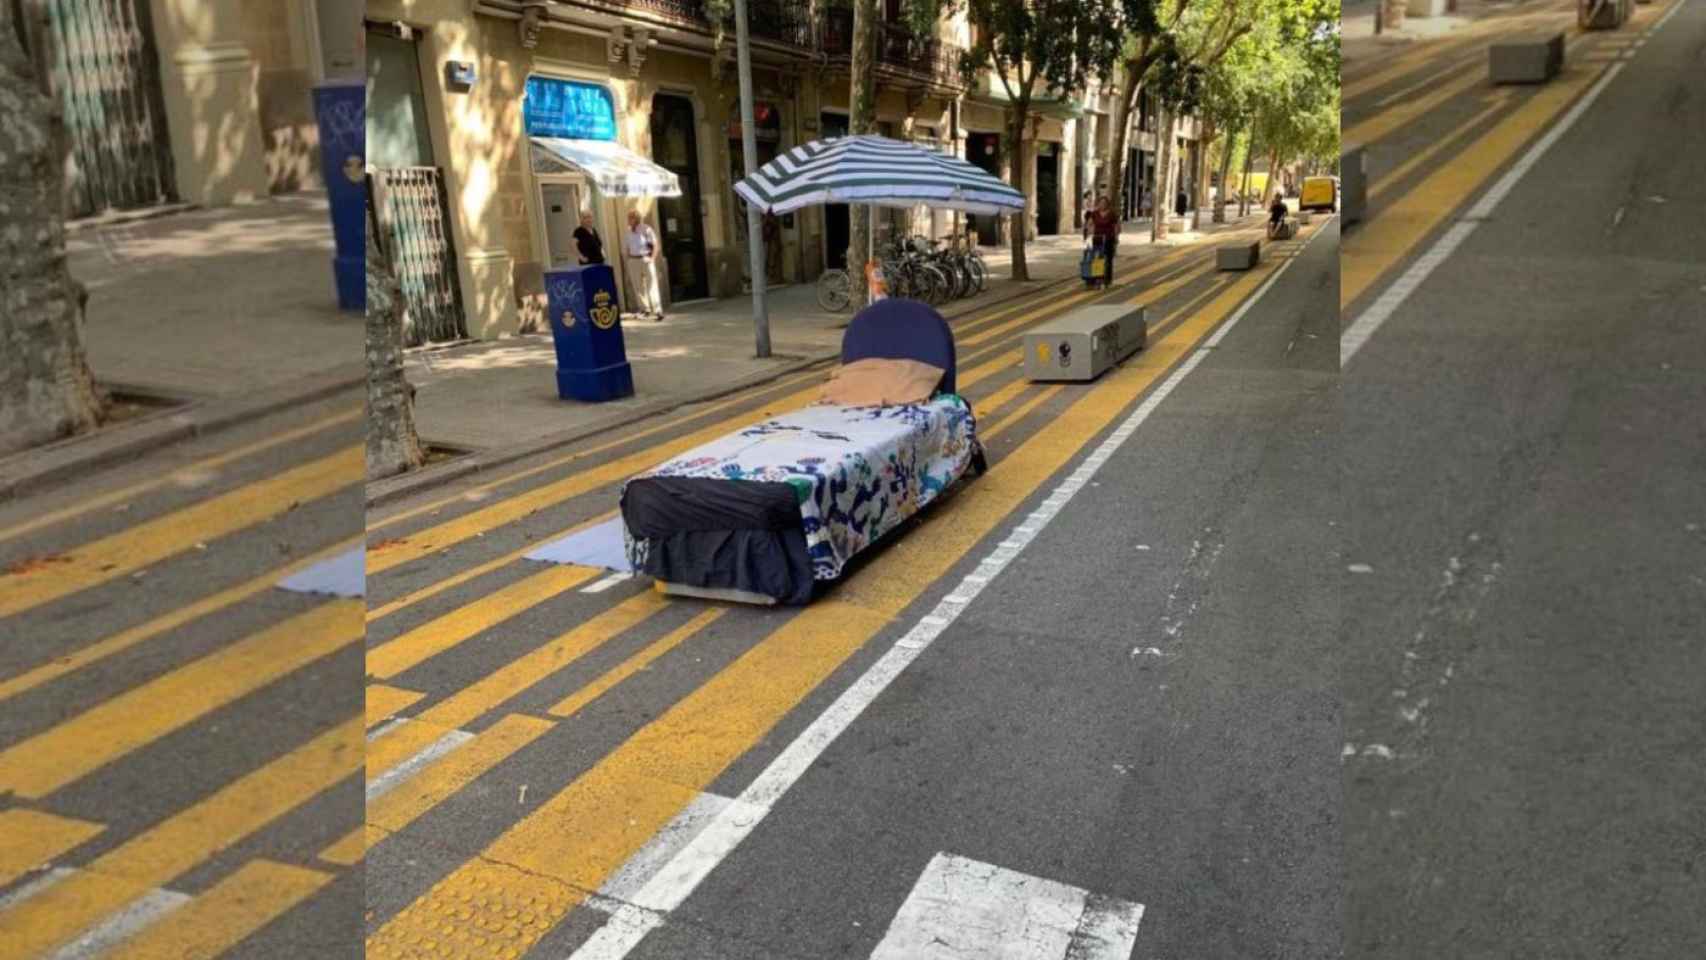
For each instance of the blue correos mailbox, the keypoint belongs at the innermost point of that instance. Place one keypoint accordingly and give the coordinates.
(586, 323)
(341, 111)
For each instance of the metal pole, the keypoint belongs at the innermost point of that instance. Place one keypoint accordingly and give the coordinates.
(749, 148)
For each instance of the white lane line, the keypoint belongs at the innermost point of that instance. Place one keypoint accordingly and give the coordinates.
(383, 783)
(119, 925)
(1381, 310)
(670, 885)
(606, 583)
(963, 908)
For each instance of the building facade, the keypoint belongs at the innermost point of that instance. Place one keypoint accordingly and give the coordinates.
(455, 89)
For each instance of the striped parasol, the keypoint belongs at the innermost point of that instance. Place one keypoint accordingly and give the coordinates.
(875, 171)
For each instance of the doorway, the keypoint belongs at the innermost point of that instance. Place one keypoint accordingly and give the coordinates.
(675, 147)
(1048, 189)
(984, 152)
(561, 203)
(837, 229)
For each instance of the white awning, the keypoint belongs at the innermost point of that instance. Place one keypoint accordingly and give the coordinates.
(614, 169)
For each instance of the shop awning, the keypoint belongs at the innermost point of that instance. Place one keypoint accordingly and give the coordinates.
(614, 169)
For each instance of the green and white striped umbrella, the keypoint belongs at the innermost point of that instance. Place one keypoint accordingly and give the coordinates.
(875, 171)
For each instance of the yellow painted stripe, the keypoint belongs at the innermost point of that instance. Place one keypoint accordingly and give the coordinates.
(572, 704)
(155, 540)
(1042, 397)
(1404, 112)
(156, 856)
(71, 750)
(217, 920)
(348, 849)
(547, 862)
(479, 570)
(125, 639)
(129, 493)
(1425, 54)
(492, 690)
(32, 838)
(436, 636)
(404, 803)
(1387, 182)
(385, 702)
(1378, 245)
(986, 407)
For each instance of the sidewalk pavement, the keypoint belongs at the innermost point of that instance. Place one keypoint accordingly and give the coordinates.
(215, 303)
(494, 395)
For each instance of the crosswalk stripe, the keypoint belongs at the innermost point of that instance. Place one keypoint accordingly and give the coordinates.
(31, 838)
(446, 742)
(125, 639)
(544, 864)
(145, 909)
(70, 750)
(182, 841)
(232, 909)
(572, 704)
(385, 702)
(154, 540)
(436, 636)
(996, 427)
(400, 806)
(491, 691)
(129, 493)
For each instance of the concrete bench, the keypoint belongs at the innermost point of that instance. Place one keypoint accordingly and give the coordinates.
(1528, 61)
(1353, 183)
(1238, 256)
(1303, 218)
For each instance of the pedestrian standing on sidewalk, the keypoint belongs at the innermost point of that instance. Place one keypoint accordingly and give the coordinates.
(587, 241)
(640, 247)
(1103, 229)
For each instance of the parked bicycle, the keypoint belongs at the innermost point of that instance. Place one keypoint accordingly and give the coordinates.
(916, 268)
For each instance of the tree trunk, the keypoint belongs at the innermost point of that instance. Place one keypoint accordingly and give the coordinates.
(46, 388)
(861, 120)
(1198, 188)
(1163, 186)
(1225, 171)
(1122, 123)
(392, 445)
(1249, 162)
(1273, 177)
(1018, 166)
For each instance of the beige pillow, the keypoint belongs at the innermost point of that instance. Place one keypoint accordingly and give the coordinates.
(879, 382)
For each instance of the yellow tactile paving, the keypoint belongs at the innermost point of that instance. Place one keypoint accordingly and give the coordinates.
(147, 543)
(32, 838)
(502, 901)
(219, 919)
(72, 749)
(156, 856)
(438, 635)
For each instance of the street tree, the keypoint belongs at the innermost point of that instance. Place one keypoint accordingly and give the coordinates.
(47, 390)
(1035, 49)
(393, 447)
(862, 119)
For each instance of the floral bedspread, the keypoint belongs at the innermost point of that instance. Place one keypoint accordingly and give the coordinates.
(857, 471)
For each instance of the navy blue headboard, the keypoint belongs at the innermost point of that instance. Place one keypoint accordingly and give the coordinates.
(895, 329)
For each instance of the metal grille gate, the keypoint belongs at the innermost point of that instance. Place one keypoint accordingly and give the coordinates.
(410, 209)
(101, 60)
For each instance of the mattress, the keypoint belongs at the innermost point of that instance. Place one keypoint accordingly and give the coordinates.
(788, 502)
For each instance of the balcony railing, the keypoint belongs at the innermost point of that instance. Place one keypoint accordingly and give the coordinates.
(898, 48)
(779, 21)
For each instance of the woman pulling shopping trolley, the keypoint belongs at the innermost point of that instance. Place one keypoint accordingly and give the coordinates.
(1102, 229)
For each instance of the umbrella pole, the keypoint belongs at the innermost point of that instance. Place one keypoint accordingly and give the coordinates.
(749, 149)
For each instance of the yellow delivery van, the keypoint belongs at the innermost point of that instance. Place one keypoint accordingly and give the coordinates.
(1319, 193)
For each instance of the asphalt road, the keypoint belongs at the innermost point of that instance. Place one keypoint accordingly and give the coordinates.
(178, 746)
(1525, 508)
(552, 736)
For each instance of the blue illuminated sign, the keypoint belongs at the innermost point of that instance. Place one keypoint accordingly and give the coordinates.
(564, 108)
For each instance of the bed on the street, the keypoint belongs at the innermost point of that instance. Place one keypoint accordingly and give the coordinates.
(767, 513)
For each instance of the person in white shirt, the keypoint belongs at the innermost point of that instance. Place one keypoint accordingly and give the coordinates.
(640, 249)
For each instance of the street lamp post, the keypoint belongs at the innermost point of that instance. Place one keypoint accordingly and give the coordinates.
(749, 148)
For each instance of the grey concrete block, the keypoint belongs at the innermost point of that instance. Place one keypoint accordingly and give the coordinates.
(1527, 61)
(1303, 218)
(1238, 256)
(1353, 183)
(1609, 16)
